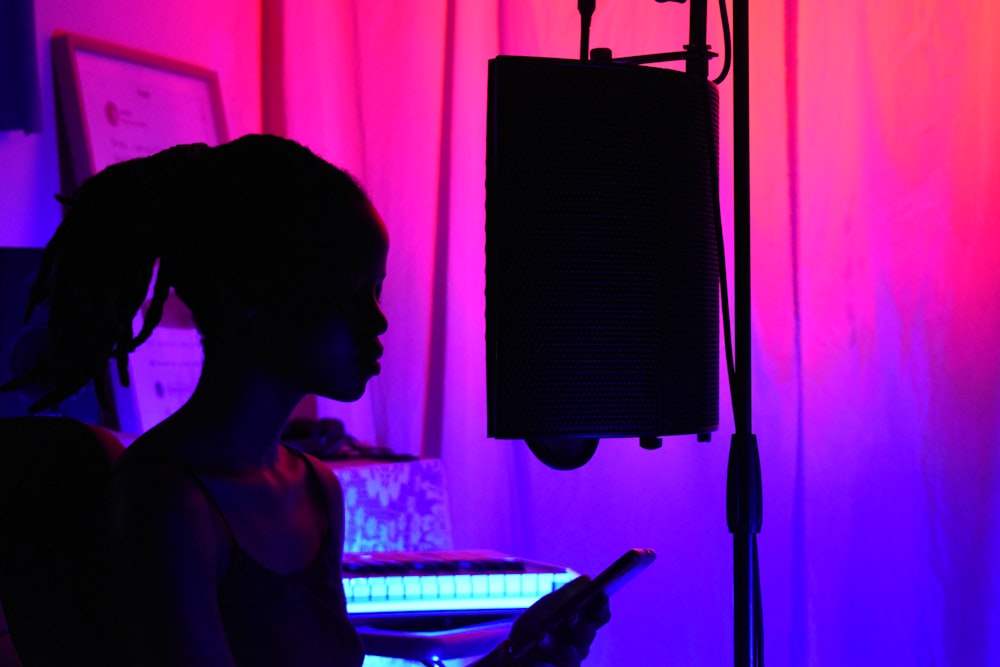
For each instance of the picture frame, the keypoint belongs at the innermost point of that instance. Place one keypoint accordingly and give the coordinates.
(116, 103)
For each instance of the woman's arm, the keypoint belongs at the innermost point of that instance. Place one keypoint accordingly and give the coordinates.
(166, 552)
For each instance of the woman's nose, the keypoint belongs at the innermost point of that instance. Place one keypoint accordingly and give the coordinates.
(379, 320)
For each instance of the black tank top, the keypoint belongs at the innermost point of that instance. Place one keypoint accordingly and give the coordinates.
(287, 619)
(298, 619)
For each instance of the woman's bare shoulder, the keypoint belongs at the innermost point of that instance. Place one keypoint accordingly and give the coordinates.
(156, 501)
(165, 553)
(153, 483)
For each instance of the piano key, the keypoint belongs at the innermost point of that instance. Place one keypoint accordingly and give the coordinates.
(463, 585)
(395, 588)
(429, 587)
(379, 589)
(512, 584)
(495, 583)
(480, 586)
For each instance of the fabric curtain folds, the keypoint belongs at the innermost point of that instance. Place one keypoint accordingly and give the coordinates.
(876, 190)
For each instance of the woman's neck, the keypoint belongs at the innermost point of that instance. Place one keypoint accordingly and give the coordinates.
(234, 418)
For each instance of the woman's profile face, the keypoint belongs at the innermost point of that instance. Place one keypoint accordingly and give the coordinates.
(336, 350)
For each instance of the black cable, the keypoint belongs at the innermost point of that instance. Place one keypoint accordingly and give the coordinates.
(724, 295)
(719, 237)
(721, 252)
(757, 601)
(728, 39)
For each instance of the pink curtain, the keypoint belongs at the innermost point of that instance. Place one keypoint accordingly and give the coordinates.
(876, 199)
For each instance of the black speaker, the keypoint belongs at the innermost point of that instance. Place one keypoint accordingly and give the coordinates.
(602, 276)
(21, 341)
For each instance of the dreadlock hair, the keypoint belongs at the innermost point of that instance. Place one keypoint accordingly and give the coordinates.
(260, 222)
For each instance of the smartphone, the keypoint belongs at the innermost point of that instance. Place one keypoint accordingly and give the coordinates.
(616, 575)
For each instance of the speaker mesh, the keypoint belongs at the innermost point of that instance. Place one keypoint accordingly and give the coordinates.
(601, 262)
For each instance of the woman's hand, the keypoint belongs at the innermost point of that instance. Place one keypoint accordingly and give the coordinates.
(554, 641)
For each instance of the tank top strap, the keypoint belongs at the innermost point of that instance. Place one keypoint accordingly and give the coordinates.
(318, 490)
(219, 514)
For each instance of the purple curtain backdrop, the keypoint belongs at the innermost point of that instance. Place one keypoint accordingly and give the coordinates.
(876, 195)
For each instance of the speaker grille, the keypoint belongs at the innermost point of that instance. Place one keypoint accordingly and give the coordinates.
(601, 262)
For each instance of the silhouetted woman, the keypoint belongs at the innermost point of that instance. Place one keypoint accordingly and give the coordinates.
(221, 546)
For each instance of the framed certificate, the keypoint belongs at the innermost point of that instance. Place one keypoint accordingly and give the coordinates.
(116, 103)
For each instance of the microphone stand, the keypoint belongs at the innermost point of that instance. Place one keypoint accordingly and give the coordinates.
(744, 504)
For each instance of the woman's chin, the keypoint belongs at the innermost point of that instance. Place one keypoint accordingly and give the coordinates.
(346, 394)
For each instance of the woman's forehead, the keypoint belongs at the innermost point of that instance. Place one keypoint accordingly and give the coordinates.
(379, 225)
(366, 245)
(374, 242)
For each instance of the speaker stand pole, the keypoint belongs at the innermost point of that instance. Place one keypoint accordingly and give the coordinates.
(743, 484)
(744, 505)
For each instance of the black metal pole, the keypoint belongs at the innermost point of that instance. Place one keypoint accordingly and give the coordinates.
(741, 197)
(697, 46)
(586, 9)
(743, 501)
(744, 506)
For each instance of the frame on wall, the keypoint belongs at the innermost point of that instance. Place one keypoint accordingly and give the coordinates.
(116, 103)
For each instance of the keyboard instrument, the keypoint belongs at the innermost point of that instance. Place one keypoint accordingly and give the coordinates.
(445, 582)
